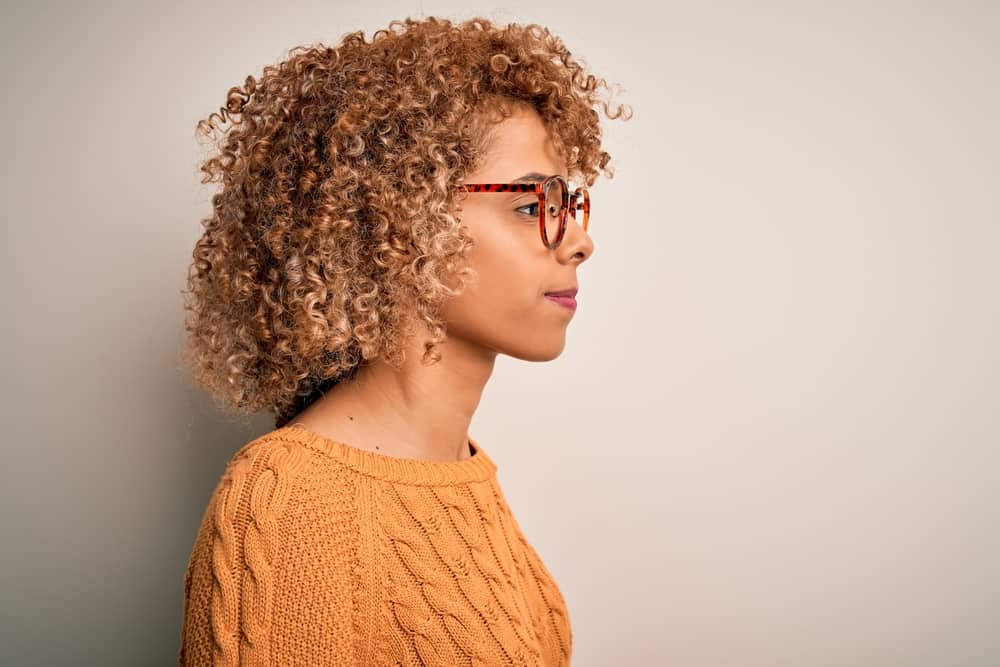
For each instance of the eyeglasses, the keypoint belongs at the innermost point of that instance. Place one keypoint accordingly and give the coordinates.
(554, 201)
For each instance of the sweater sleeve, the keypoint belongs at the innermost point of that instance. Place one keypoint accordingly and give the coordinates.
(270, 580)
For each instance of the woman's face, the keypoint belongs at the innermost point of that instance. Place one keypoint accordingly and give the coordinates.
(506, 310)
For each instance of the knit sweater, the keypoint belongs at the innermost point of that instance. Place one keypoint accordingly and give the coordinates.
(315, 552)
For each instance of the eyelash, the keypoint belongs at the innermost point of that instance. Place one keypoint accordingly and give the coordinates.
(535, 204)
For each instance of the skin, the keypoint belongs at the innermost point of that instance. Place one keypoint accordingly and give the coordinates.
(424, 412)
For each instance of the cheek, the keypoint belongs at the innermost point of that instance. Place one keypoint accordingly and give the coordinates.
(506, 312)
(506, 288)
(507, 275)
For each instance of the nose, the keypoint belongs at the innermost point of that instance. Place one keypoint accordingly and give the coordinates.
(576, 242)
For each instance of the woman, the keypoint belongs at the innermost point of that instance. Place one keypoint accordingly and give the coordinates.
(375, 197)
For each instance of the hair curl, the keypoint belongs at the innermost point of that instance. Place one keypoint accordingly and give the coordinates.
(335, 224)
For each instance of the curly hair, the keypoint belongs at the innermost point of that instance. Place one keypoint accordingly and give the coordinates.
(335, 223)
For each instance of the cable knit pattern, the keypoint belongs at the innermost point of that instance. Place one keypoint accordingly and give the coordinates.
(313, 552)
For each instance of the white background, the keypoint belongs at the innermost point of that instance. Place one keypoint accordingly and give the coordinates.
(778, 412)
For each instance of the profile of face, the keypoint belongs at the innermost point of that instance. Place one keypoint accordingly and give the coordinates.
(506, 310)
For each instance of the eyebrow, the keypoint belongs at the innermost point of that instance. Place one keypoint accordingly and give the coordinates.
(530, 177)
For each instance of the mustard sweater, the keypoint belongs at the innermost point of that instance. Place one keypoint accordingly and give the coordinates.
(314, 552)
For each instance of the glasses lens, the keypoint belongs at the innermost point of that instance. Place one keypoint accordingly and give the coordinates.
(580, 207)
(556, 208)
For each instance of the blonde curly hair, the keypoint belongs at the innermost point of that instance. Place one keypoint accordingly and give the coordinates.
(335, 223)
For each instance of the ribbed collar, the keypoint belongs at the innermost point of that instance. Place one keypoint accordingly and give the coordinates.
(478, 467)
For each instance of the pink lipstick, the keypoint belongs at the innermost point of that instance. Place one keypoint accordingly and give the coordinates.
(565, 298)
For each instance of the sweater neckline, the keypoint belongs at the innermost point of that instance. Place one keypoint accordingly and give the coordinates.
(478, 467)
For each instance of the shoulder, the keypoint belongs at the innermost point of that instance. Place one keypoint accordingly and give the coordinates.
(264, 460)
(282, 489)
(271, 476)
(264, 541)
(256, 481)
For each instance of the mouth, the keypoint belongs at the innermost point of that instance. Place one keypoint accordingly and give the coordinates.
(564, 301)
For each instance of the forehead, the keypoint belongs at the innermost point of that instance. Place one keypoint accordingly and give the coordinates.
(520, 144)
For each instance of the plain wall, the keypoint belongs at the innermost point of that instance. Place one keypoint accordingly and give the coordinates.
(778, 407)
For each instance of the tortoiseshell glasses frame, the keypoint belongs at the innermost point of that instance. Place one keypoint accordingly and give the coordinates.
(578, 200)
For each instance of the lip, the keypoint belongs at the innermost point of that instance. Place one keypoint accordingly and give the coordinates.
(571, 292)
(564, 301)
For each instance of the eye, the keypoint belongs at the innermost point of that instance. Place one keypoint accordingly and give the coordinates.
(531, 206)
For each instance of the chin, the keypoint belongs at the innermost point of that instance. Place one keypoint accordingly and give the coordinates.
(538, 352)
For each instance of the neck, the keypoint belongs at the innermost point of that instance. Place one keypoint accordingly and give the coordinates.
(414, 411)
